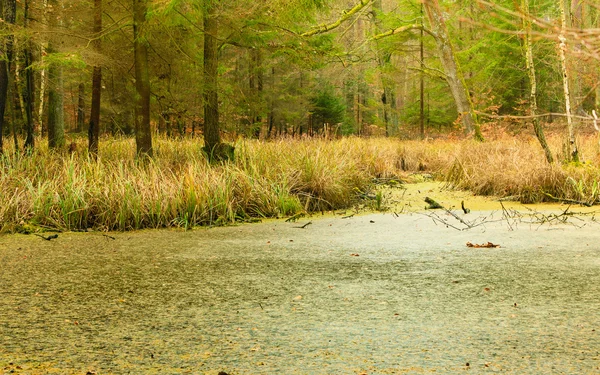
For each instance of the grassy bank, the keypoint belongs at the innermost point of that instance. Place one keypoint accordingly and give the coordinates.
(267, 179)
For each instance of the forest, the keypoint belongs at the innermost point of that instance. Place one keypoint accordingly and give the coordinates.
(119, 115)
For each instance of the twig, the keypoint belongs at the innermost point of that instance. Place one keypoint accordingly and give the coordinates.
(50, 237)
(305, 225)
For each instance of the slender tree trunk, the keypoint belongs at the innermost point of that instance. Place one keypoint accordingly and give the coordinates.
(29, 86)
(143, 134)
(56, 115)
(422, 79)
(56, 111)
(454, 76)
(383, 61)
(81, 108)
(18, 84)
(43, 76)
(259, 74)
(562, 47)
(94, 127)
(42, 94)
(212, 137)
(8, 9)
(537, 126)
(271, 117)
(13, 126)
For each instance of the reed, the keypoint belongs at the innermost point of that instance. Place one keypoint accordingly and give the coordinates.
(279, 178)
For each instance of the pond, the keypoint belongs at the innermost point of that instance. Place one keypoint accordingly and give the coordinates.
(382, 293)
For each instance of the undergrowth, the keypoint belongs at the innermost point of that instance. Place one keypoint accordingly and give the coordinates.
(178, 188)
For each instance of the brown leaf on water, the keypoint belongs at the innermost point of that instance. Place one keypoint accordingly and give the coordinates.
(354, 255)
(484, 245)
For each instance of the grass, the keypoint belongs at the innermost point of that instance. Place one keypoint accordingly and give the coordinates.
(267, 179)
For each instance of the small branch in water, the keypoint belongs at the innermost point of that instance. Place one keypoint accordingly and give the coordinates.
(465, 210)
(50, 237)
(566, 200)
(348, 217)
(107, 236)
(433, 205)
(305, 225)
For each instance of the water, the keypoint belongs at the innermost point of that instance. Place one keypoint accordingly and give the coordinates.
(373, 294)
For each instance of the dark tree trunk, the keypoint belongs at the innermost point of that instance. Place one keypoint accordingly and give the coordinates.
(143, 134)
(56, 110)
(29, 86)
(8, 10)
(94, 128)
(212, 138)
(56, 118)
(81, 108)
(256, 89)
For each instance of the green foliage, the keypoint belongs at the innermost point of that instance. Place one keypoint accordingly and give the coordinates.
(327, 107)
(67, 60)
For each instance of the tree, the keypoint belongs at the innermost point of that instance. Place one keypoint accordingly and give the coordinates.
(454, 75)
(56, 117)
(388, 99)
(537, 127)
(94, 127)
(29, 90)
(8, 10)
(212, 137)
(327, 108)
(143, 134)
(562, 47)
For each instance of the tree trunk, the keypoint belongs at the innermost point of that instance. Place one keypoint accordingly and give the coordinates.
(256, 88)
(384, 61)
(94, 127)
(8, 10)
(562, 47)
(212, 137)
(537, 127)
(81, 108)
(56, 117)
(422, 80)
(271, 117)
(454, 76)
(29, 86)
(56, 111)
(143, 134)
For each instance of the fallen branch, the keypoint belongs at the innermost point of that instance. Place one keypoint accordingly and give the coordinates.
(305, 225)
(566, 200)
(433, 205)
(50, 237)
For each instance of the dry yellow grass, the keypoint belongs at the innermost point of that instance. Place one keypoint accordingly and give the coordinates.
(267, 179)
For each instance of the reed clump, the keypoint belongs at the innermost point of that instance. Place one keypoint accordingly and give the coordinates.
(179, 188)
(517, 168)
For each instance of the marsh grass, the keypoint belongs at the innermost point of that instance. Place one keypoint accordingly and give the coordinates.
(178, 188)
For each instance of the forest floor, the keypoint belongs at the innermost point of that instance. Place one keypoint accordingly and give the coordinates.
(377, 293)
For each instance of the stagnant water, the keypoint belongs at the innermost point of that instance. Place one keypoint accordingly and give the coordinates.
(374, 294)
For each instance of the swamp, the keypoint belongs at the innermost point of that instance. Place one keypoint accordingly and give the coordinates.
(230, 187)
